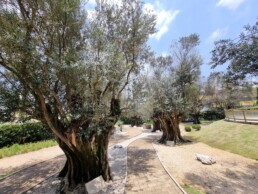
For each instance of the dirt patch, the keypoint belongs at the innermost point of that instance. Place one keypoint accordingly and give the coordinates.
(231, 174)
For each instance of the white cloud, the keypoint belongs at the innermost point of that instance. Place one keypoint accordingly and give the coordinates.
(92, 2)
(217, 34)
(231, 4)
(164, 18)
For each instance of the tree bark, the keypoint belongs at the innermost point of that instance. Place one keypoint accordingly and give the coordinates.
(170, 129)
(156, 125)
(196, 119)
(86, 160)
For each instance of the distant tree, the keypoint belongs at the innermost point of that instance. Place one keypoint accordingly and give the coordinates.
(256, 96)
(194, 97)
(171, 81)
(241, 53)
(222, 92)
(69, 71)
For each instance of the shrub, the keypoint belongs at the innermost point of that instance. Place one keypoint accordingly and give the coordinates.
(125, 120)
(214, 114)
(148, 122)
(197, 127)
(188, 128)
(23, 133)
(120, 124)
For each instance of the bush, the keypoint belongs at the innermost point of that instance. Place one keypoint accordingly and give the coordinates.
(125, 120)
(214, 114)
(120, 124)
(188, 128)
(148, 122)
(197, 127)
(23, 133)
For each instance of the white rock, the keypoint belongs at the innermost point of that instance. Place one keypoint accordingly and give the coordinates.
(170, 143)
(205, 159)
(96, 186)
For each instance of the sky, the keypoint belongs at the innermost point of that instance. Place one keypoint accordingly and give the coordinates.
(211, 19)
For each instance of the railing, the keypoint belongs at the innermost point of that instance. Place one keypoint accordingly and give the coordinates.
(244, 116)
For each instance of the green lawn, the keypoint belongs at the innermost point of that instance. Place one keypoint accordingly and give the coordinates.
(237, 138)
(24, 148)
(190, 190)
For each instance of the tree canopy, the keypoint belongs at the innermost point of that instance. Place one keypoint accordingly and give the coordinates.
(68, 69)
(172, 79)
(241, 53)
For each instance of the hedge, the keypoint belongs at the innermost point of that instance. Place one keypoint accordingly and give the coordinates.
(23, 133)
(214, 114)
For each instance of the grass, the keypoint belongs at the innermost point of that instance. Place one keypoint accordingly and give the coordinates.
(24, 148)
(148, 122)
(237, 138)
(190, 190)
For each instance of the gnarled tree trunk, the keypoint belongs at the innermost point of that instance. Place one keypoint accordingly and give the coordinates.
(86, 150)
(196, 117)
(156, 124)
(170, 128)
(86, 160)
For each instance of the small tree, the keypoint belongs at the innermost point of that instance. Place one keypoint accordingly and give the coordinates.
(69, 71)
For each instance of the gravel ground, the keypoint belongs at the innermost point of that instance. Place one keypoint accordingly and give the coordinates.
(230, 174)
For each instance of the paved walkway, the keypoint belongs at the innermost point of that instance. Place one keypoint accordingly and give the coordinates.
(11, 164)
(145, 172)
(143, 165)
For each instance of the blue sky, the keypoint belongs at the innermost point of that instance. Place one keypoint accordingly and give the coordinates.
(211, 19)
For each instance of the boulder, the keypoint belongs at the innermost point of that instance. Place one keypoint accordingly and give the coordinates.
(205, 159)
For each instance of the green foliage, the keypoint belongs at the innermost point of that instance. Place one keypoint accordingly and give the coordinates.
(191, 190)
(174, 75)
(24, 148)
(197, 127)
(120, 123)
(125, 120)
(241, 53)
(214, 114)
(148, 122)
(188, 128)
(23, 133)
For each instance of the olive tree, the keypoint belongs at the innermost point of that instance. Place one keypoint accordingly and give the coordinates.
(172, 77)
(68, 69)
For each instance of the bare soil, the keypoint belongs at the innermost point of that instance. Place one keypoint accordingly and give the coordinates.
(230, 174)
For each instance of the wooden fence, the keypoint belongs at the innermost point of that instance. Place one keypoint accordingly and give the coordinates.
(244, 116)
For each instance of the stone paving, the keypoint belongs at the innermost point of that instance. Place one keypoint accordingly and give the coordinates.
(145, 172)
(23, 180)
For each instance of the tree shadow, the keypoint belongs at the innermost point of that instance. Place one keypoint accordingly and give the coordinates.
(27, 178)
(139, 161)
(232, 180)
